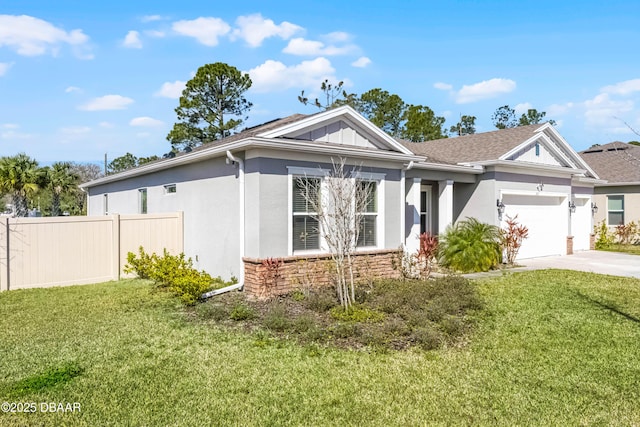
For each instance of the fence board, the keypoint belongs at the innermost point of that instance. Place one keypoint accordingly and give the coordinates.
(47, 252)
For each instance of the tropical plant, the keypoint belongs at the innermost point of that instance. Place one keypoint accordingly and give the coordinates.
(21, 178)
(626, 233)
(604, 237)
(61, 180)
(470, 246)
(511, 238)
(426, 254)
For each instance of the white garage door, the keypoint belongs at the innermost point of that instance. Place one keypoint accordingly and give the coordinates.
(546, 219)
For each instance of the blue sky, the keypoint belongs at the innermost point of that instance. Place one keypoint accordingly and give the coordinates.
(79, 79)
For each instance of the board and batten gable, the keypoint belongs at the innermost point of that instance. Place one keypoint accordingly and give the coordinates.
(207, 193)
(339, 132)
(537, 152)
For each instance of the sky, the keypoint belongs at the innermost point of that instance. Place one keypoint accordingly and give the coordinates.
(81, 79)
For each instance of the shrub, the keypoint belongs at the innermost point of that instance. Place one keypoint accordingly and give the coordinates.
(174, 272)
(626, 233)
(604, 238)
(470, 246)
(276, 319)
(426, 254)
(242, 311)
(511, 238)
(356, 313)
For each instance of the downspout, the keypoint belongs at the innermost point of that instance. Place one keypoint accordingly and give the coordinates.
(233, 160)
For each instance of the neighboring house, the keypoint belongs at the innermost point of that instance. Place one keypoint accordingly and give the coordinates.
(240, 196)
(618, 199)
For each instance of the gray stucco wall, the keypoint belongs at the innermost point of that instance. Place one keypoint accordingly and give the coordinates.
(631, 202)
(207, 193)
(267, 206)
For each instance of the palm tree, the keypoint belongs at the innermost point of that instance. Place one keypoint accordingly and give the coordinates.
(61, 180)
(21, 178)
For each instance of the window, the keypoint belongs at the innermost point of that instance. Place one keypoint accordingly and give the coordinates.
(142, 201)
(169, 189)
(425, 209)
(368, 223)
(615, 210)
(537, 149)
(105, 204)
(306, 230)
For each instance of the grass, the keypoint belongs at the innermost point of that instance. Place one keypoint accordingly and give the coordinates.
(628, 249)
(551, 348)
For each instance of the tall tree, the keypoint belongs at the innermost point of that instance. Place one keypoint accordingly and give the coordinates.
(21, 178)
(533, 117)
(504, 117)
(122, 163)
(334, 96)
(466, 126)
(385, 110)
(86, 172)
(61, 180)
(213, 95)
(422, 124)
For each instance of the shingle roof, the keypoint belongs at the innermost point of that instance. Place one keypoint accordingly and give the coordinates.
(476, 147)
(615, 162)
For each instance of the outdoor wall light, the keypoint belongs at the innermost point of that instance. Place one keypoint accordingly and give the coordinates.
(572, 207)
(594, 208)
(500, 207)
(540, 187)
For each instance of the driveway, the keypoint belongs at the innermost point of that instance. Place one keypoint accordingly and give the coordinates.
(614, 263)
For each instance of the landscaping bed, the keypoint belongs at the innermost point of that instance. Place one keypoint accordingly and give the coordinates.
(389, 314)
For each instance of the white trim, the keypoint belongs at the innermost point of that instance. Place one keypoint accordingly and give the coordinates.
(305, 171)
(581, 196)
(475, 169)
(328, 115)
(289, 213)
(532, 193)
(368, 176)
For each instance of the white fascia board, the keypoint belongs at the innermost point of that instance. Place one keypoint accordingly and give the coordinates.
(531, 193)
(574, 155)
(344, 111)
(220, 150)
(616, 184)
(530, 167)
(470, 169)
(589, 180)
(548, 143)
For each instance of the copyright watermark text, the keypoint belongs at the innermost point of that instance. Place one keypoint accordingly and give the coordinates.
(32, 407)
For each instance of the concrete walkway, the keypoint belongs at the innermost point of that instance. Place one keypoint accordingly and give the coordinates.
(613, 263)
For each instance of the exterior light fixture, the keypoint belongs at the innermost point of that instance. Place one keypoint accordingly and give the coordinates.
(500, 207)
(594, 208)
(540, 187)
(572, 207)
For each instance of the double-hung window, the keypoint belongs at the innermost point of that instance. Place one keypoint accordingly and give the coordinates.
(368, 215)
(615, 210)
(306, 229)
(142, 201)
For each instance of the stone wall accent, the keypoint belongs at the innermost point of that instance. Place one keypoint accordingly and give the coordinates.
(569, 245)
(297, 272)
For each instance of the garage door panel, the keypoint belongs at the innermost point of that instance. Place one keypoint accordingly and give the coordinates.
(546, 219)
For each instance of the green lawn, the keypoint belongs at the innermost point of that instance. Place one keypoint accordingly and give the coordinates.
(552, 348)
(629, 249)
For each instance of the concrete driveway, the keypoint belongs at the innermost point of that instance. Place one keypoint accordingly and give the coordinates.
(614, 263)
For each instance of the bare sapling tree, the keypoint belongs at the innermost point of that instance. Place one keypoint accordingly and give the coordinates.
(338, 204)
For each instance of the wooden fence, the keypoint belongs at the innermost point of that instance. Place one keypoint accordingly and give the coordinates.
(43, 252)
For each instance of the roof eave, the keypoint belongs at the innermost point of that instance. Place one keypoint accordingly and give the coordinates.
(471, 169)
(530, 166)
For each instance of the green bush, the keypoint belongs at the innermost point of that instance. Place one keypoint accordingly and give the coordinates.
(356, 313)
(604, 237)
(174, 272)
(242, 312)
(470, 246)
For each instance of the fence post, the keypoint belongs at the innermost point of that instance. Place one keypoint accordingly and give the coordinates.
(7, 229)
(116, 246)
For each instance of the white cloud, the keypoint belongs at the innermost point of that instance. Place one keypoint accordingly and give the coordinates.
(30, 36)
(146, 122)
(523, 107)
(155, 33)
(171, 90)
(484, 90)
(337, 37)
(106, 125)
(107, 102)
(622, 88)
(254, 29)
(72, 89)
(132, 40)
(274, 76)
(4, 67)
(442, 86)
(12, 134)
(303, 47)
(9, 126)
(361, 62)
(205, 30)
(75, 130)
(604, 112)
(151, 18)
(559, 109)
